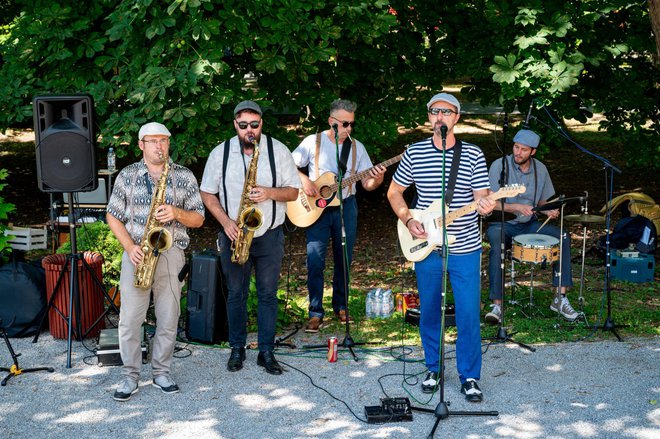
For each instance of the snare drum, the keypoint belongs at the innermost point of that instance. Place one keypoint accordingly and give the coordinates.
(535, 248)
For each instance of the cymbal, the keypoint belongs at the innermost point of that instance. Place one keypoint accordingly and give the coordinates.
(584, 218)
(557, 203)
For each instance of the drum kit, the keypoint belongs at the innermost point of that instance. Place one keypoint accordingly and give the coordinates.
(539, 250)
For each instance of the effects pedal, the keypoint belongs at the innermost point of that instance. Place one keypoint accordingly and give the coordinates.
(389, 410)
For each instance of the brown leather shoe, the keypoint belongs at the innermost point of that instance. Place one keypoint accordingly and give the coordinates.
(314, 324)
(341, 315)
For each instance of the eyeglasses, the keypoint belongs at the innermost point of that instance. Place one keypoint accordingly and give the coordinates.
(444, 111)
(157, 141)
(254, 124)
(345, 123)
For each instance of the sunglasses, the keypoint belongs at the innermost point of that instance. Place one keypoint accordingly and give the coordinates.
(156, 141)
(344, 123)
(254, 124)
(444, 111)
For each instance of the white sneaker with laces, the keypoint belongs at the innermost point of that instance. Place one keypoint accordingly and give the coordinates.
(563, 307)
(494, 317)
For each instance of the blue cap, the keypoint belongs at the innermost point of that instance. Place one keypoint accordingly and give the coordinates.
(528, 138)
(444, 97)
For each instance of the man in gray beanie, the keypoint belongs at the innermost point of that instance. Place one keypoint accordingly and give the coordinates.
(523, 168)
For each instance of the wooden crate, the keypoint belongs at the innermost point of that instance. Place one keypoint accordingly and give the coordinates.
(25, 238)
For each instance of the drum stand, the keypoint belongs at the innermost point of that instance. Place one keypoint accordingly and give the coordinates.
(531, 307)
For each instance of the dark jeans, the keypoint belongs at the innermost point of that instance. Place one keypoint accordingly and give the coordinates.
(510, 232)
(266, 253)
(327, 227)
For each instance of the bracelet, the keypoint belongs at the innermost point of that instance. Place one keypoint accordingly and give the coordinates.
(408, 220)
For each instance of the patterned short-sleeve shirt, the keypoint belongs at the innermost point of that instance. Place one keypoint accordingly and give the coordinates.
(131, 197)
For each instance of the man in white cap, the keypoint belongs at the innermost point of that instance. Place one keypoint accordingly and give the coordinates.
(127, 214)
(523, 168)
(422, 165)
(222, 191)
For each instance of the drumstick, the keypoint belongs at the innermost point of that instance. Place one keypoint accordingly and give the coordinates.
(544, 223)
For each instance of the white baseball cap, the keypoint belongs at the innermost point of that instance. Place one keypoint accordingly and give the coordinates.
(445, 97)
(153, 129)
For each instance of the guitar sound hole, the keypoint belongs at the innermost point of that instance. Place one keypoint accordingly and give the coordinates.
(325, 192)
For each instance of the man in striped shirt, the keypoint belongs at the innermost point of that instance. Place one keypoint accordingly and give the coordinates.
(428, 166)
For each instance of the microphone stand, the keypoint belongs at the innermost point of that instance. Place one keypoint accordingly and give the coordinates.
(610, 169)
(502, 336)
(442, 409)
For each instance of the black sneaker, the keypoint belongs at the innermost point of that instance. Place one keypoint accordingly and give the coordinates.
(471, 390)
(125, 389)
(166, 384)
(430, 383)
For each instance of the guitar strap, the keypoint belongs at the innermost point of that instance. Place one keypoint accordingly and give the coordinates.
(342, 158)
(271, 158)
(453, 174)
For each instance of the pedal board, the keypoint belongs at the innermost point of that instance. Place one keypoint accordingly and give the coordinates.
(107, 350)
(389, 410)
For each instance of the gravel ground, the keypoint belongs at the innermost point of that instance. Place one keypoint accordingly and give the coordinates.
(574, 390)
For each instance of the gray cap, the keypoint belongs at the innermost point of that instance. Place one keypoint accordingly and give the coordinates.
(527, 138)
(445, 97)
(153, 129)
(247, 105)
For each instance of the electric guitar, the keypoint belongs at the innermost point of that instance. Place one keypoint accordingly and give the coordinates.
(415, 249)
(305, 210)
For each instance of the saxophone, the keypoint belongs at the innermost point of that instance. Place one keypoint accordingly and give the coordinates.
(156, 238)
(250, 217)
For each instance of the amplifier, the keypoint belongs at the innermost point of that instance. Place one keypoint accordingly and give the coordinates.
(207, 299)
(107, 350)
(632, 269)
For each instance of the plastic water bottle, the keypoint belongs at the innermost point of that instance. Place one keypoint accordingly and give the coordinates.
(112, 163)
(378, 312)
(388, 303)
(370, 304)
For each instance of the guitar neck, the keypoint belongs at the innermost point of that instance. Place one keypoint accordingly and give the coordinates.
(454, 215)
(360, 175)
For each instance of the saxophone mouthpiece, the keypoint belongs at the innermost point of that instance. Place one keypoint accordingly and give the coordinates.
(252, 140)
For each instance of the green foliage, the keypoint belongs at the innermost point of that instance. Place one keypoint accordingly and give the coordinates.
(188, 63)
(5, 209)
(99, 238)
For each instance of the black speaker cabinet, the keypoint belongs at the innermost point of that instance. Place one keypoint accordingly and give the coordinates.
(207, 299)
(65, 142)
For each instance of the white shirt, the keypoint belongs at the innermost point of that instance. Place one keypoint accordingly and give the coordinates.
(304, 155)
(238, 163)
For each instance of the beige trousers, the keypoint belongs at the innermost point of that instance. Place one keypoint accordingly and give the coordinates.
(134, 304)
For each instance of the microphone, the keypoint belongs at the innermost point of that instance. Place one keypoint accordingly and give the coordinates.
(335, 127)
(443, 131)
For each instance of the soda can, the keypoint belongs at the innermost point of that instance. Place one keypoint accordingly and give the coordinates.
(332, 349)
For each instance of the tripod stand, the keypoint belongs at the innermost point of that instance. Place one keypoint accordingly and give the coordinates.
(74, 291)
(15, 369)
(610, 169)
(502, 336)
(468, 303)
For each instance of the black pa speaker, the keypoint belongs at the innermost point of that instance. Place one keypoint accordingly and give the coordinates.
(65, 142)
(207, 299)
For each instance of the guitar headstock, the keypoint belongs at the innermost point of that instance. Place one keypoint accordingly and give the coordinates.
(508, 191)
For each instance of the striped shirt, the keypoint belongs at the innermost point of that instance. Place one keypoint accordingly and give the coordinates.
(422, 165)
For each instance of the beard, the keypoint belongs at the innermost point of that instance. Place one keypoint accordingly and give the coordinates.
(245, 141)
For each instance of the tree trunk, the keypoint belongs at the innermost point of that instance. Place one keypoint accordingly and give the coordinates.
(654, 15)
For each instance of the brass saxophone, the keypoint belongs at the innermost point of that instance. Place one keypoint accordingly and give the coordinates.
(156, 238)
(250, 217)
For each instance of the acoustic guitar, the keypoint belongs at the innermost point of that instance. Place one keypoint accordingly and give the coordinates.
(305, 210)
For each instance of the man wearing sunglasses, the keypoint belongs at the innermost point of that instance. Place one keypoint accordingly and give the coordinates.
(422, 165)
(128, 211)
(319, 153)
(222, 189)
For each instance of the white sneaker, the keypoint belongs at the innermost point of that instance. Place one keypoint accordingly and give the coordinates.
(494, 317)
(564, 308)
(125, 389)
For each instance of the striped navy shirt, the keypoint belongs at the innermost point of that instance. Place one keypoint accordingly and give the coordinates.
(422, 165)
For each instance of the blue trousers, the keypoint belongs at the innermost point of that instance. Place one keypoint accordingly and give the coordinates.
(513, 230)
(266, 253)
(328, 227)
(463, 271)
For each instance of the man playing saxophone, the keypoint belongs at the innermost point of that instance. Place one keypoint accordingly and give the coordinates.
(153, 202)
(247, 181)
